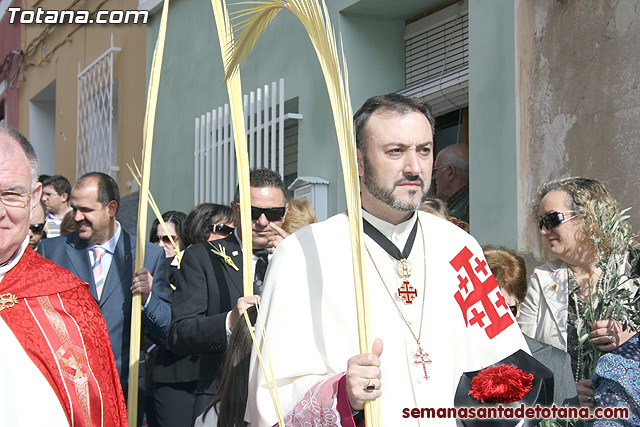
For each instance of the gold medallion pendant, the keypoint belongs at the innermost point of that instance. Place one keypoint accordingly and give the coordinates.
(403, 268)
(406, 292)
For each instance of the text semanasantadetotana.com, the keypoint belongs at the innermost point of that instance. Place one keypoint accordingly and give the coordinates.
(41, 16)
(519, 412)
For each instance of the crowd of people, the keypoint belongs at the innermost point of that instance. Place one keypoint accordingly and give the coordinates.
(441, 305)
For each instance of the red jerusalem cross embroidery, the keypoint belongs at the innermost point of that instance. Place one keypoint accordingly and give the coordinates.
(472, 290)
(407, 292)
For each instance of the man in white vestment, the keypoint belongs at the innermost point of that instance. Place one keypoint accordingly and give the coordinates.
(435, 308)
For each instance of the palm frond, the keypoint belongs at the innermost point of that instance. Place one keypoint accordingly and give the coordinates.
(314, 17)
(156, 210)
(149, 123)
(234, 88)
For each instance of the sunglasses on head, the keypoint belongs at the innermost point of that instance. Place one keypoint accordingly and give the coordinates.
(165, 239)
(272, 214)
(221, 229)
(554, 219)
(37, 228)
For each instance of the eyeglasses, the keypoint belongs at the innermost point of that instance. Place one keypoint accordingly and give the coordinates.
(272, 214)
(433, 170)
(221, 229)
(15, 199)
(165, 239)
(37, 228)
(554, 219)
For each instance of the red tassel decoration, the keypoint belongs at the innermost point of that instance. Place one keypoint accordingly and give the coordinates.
(501, 384)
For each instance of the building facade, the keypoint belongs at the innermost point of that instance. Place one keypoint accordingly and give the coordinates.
(545, 89)
(82, 88)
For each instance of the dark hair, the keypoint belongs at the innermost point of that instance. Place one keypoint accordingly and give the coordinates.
(263, 178)
(107, 187)
(174, 217)
(196, 226)
(59, 183)
(393, 102)
(509, 270)
(27, 149)
(231, 397)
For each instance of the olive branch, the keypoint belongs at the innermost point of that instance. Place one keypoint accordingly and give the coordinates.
(614, 296)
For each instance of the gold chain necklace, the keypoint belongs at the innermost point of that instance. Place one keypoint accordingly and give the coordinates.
(420, 357)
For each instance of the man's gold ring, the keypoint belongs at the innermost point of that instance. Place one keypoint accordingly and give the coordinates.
(370, 385)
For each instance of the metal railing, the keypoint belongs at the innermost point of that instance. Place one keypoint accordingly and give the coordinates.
(215, 173)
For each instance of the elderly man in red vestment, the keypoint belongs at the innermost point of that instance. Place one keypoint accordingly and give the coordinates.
(58, 368)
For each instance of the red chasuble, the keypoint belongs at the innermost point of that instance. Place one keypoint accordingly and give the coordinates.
(59, 325)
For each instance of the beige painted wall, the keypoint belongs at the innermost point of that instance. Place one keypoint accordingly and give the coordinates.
(70, 45)
(579, 100)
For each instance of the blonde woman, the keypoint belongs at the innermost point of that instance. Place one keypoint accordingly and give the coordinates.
(558, 289)
(300, 213)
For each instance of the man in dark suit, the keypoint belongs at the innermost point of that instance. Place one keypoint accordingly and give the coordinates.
(209, 293)
(102, 254)
(559, 362)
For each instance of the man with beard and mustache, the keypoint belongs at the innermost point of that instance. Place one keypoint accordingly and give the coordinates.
(432, 301)
(102, 254)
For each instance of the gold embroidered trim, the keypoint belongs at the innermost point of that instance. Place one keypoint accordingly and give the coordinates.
(7, 301)
(70, 357)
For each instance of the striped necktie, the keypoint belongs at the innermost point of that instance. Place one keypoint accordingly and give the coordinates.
(98, 272)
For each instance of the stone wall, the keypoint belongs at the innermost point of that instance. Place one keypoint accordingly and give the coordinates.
(579, 99)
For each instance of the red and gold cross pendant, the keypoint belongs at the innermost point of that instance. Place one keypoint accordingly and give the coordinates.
(407, 292)
(422, 358)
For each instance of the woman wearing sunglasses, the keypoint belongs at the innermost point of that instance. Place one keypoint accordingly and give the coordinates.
(558, 289)
(207, 222)
(173, 221)
(171, 379)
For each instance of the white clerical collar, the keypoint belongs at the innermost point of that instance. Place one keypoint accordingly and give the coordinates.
(391, 231)
(110, 245)
(7, 266)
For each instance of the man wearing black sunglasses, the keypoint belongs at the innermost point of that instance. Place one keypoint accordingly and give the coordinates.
(37, 225)
(209, 290)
